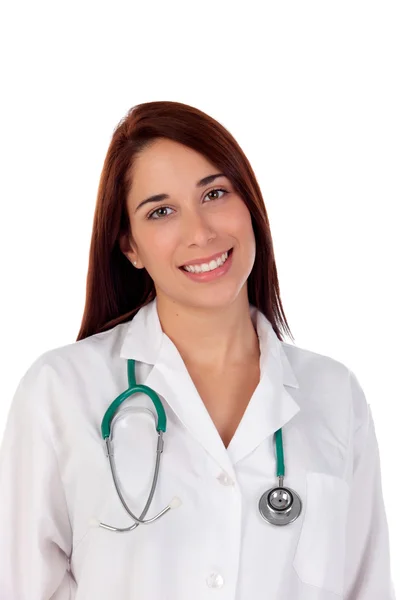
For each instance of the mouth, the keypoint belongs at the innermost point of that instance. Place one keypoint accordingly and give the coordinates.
(213, 274)
(206, 262)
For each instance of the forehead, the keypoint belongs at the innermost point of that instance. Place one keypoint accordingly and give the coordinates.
(168, 163)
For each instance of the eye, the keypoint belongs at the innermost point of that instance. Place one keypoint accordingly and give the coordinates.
(151, 216)
(216, 190)
(155, 212)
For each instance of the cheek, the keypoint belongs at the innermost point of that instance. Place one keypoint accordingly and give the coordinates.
(156, 246)
(242, 230)
(238, 222)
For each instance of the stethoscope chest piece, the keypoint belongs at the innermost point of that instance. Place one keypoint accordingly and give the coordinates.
(280, 505)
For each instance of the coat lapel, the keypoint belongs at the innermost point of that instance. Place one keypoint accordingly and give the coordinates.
(270, 407)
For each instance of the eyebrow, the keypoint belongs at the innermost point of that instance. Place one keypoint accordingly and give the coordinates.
(158, 197)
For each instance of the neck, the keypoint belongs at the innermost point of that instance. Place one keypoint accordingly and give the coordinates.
(215, 339)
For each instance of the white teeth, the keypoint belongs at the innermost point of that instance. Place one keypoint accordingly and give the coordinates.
(214, 264)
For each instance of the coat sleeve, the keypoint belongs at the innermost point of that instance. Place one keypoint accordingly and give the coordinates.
(368, 568)
(35, 532)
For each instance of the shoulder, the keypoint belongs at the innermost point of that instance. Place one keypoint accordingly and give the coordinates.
(329, 382)
(70, 362)
(307, 363)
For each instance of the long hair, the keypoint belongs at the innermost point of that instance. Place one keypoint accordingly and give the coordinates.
(115, 290)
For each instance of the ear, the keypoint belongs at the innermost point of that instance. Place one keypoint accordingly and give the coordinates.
(126, 247)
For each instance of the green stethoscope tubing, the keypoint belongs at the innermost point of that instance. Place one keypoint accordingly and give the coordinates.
(135, 388)
(278, 505)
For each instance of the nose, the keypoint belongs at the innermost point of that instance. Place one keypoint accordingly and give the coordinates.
(197, 228)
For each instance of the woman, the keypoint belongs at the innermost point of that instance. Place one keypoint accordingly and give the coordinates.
(176, 192)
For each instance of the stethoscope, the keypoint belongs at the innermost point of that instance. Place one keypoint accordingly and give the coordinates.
(278, 505)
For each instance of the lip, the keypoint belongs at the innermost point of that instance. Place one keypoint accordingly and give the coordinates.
(211, 276)
(207, 260)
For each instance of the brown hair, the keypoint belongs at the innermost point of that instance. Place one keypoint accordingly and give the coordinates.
(115, 290)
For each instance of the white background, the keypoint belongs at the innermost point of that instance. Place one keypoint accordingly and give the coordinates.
(311, 92)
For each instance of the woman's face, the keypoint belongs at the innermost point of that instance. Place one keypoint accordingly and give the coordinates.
(194, 222)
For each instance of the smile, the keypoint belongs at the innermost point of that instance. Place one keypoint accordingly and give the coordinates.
(204, 267)
(208, 272)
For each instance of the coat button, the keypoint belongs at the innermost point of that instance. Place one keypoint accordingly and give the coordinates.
(215, 580)
(224, 479)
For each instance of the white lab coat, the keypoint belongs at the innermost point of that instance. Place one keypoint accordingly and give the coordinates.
(55, 478)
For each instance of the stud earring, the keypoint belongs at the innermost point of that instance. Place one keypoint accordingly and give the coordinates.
(134, 262)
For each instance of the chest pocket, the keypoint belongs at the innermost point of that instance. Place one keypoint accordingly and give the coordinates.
(319, 558)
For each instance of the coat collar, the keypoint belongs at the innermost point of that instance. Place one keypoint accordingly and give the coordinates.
(271, 405)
